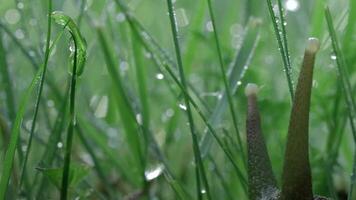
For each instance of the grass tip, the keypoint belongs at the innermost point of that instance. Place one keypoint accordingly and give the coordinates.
(251, 89)
(313, 45)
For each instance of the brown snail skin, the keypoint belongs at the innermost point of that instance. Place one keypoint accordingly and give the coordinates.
(260, 175)
(296, 178)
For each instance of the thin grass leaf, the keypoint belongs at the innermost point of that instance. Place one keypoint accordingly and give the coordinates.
(346, 85)
(10, 102)
(197, 155)
(261, 178)
(15, 135)
(79, 41)
(296, 178)
(142, 88)
(39, 94)
(236, 73)
(77, 69)
(225, 81)
(25, 51)
(281, 46)
(125, 109)
(97, 164)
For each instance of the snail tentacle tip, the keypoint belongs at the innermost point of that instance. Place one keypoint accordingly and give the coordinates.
(251, 89)
(313, 45)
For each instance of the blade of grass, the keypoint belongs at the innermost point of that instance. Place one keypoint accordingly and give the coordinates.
(10, 102)
(346, 85)
(97, 164)
(342, 68)
(198, 160)
(39, 94)
(51, 147)
(78, 67)
(237, 72)
(125, 109)
(226, 84)
(15, 135)
(281, 45)
(25, 51)
(283, 25)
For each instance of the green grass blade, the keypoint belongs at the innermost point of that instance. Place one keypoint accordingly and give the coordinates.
(65, 21)
(346, 85)
(97, 164)
(281, 47)
(342, 68)
(10, 102)
(78, 66)
(226, 84)
(237, 72)
(124, 107)
(15, 136)
(296, 178)
(142, 89)
(198, 160)
(25, 51)
(39, 94)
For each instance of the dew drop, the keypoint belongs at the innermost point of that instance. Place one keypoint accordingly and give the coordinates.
(181, 17)
(20, 5)
(292, 5)
(102, 107)
(59, 145)
(120, 17)
(209, 26)
(154, 173)
(12, 16)
(19, 34)
(182, 106)
(159, 76)
(139, 118)
(333, 57)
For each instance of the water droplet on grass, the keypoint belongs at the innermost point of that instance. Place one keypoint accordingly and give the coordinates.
(12, 16)
(159, 76)
(209, 26)
(182, 106)
(333, 57)
(120, 17)
(181, 17)
(292, 5)
(154, 173)
(59, 145)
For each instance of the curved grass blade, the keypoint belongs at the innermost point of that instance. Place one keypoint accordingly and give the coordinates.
(77, 70)
(197, 155)
(296, 178)
(65, 21)
(261, 178)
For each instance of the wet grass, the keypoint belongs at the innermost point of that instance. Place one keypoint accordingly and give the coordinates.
(159, 109)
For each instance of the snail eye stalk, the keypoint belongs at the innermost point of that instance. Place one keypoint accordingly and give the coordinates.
(261, 179)
(296, 178)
